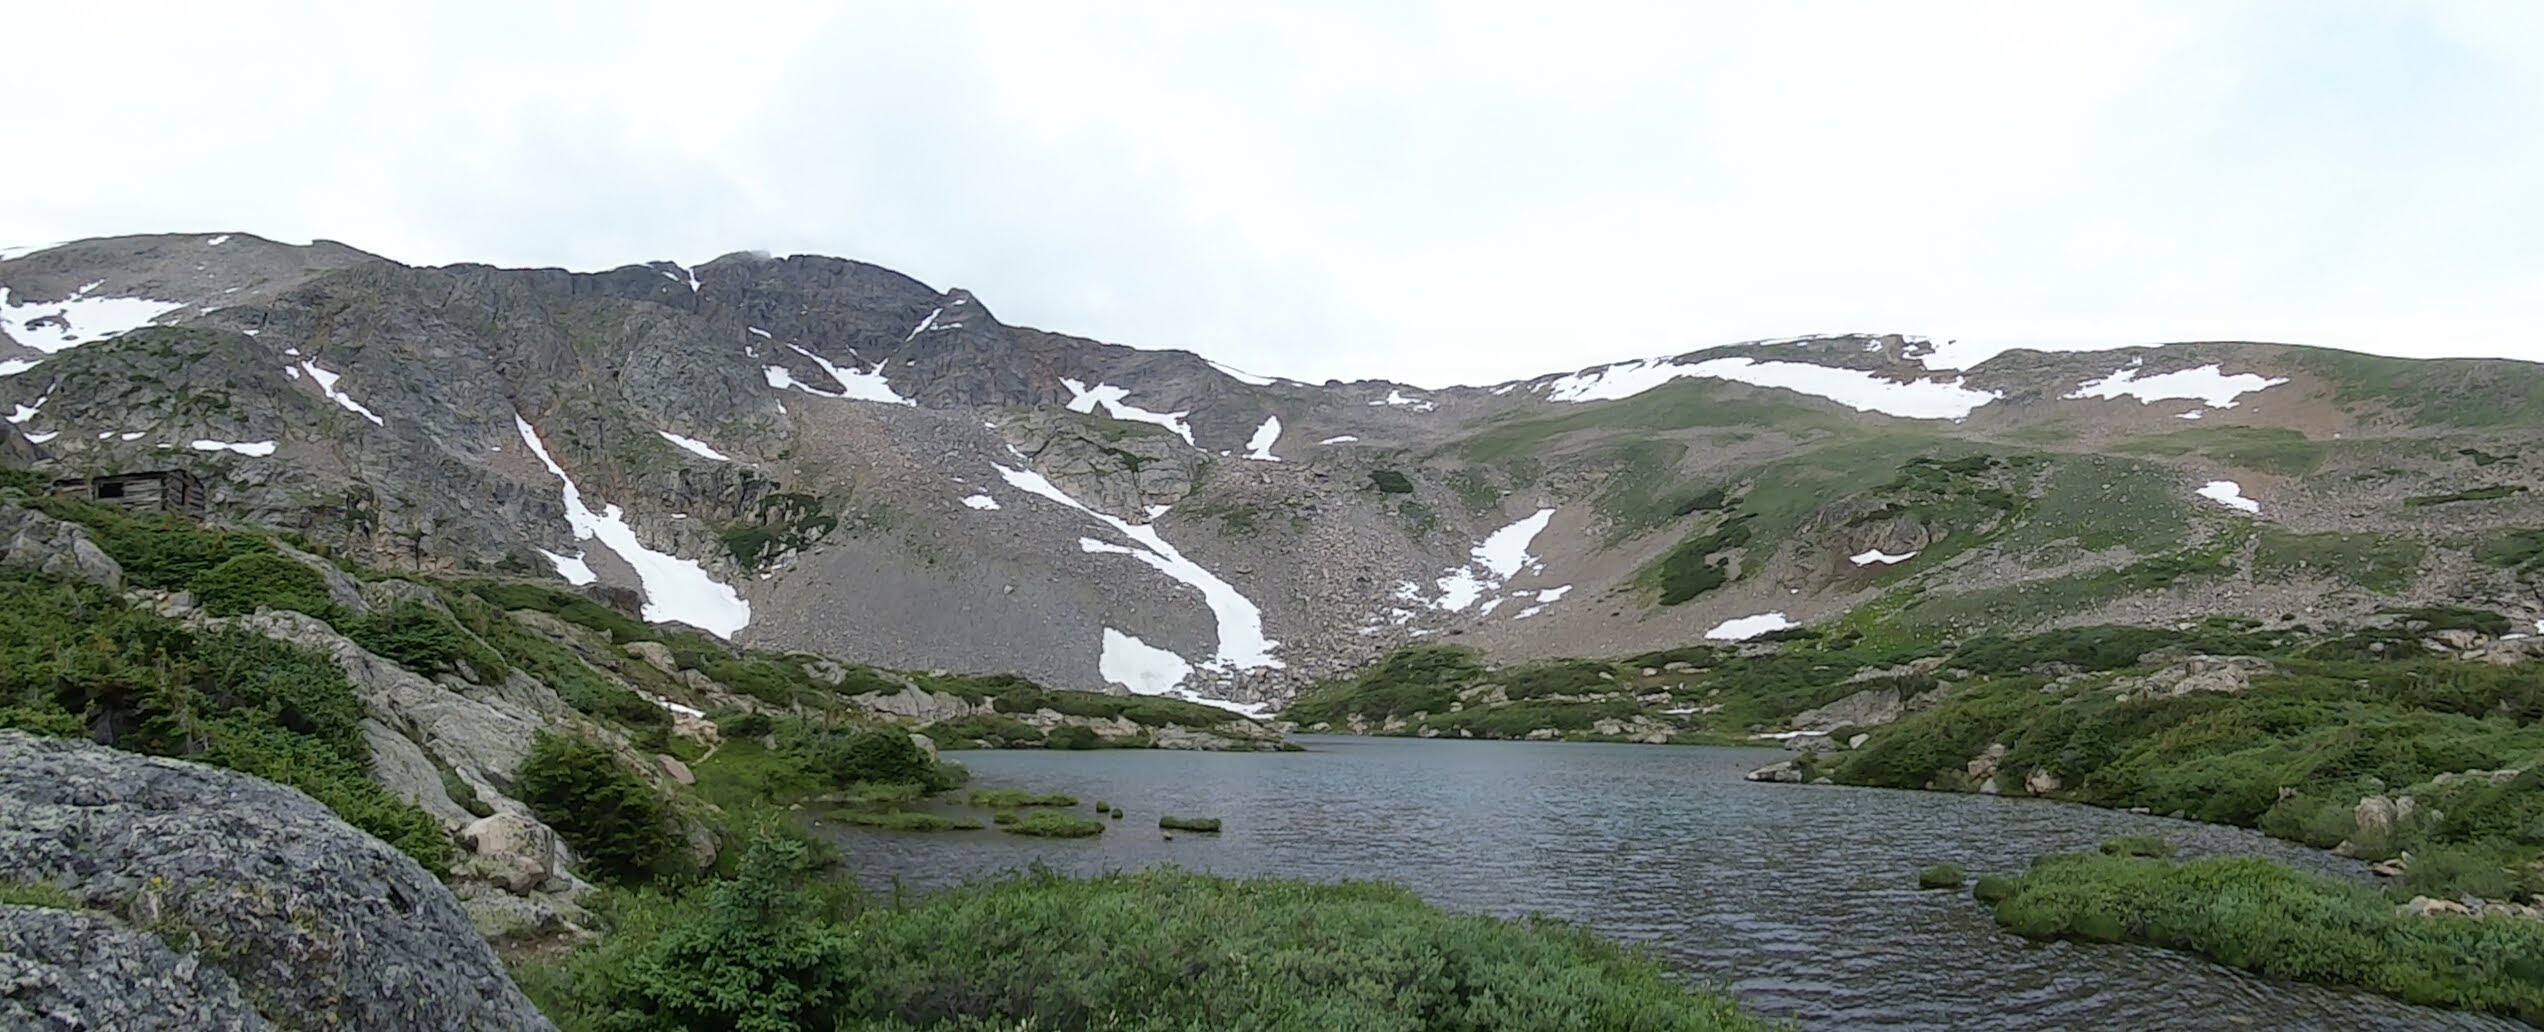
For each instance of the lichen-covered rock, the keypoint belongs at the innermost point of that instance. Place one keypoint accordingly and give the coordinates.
(318, 924)
(65, 969)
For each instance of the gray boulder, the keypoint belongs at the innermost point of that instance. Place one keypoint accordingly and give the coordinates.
(318, 924)
(39, 542)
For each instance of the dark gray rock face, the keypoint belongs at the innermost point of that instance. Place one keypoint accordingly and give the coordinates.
(67, 970)
(321, 926)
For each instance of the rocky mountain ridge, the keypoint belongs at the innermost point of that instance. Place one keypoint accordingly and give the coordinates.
(809, 452)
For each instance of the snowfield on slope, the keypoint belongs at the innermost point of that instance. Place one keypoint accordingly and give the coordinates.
(675, 588)
(1083, 398)
(55, 326)
(1259, 448)
(1242, 644)
(1496, 559)
(2208, 385)
(1853, 388)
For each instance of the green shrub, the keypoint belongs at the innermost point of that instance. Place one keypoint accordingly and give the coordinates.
(1207, 824)
(426, 640)
(1047, 824)
(1941, 876)
(612, 818)
(1389, 481)
(849, 756)
(565, 605)
(1692, 569)
(43, 720)
(261, 580)
(1993, 889)
(2137, 845)
(1073, 736)
(1004, 817)
(744, 724)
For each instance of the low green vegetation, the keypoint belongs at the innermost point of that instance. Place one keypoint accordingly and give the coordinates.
(911, 820)
(775, 948)
(782, 522)
(77, 660)
(1389, 481)
(2276, 450)
(1202, 824)
(1699, 565)
(1012, 798)
(1941, 876)
(260, 580)
(1421, 679)
(2479, 494)
(1993, 889)
(2521, 549)
(2137, 845)
(2373, 561)
(2267, 919)
(37, 894)
(1050, 824)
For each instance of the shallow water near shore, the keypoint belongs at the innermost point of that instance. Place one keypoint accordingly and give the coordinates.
(1800, 899)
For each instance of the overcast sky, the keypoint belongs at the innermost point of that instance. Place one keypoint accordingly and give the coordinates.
(1430, 193)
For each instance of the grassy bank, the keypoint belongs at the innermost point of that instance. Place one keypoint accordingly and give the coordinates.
(775, 948)
(2267, 919)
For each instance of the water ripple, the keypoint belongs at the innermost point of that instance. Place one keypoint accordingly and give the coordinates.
(1800, 899)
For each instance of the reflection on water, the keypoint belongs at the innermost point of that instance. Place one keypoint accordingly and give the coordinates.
(1800, 899)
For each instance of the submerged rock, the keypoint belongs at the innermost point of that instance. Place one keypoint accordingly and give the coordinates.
(258, 893)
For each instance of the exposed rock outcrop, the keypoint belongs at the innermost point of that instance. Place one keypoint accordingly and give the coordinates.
(39, 542)
(312, 923)
(2195, 674)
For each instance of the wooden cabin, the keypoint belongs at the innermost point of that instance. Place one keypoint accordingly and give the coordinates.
(161, 490)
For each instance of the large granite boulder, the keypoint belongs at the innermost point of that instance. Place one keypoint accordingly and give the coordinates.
(252, 891)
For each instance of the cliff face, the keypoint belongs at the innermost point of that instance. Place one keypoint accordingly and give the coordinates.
(186, 897)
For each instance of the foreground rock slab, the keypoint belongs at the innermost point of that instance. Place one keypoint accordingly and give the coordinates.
(198, 888)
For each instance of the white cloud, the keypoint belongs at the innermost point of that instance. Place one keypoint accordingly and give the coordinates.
(1434, 192)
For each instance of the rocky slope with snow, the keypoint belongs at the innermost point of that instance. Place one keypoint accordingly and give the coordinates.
(811, 453)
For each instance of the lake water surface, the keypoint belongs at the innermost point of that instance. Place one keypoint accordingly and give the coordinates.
(1800, 899)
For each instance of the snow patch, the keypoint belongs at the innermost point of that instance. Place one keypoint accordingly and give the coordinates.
(252, 449)
(217, 241)
(133, 436)
(982, 502)
(2206, 384)
(1139, 666)
(1496, 559)
(694, 446)
(327, 386)
(923, 325)
(42, 437)
(1748, 627)
(1239, 375)
(14, 366)
(1242, 644)
(1554, 594)
(1870, 556)
(571, 567)
(2192, 414)
(1259, 447)
(2228, 493)
(1345, 439)
(1853, 388)
(55, 326)
(1398, 397)
(760, 333)
(854, 385)
(675, 588)
(22, 413)
(1084, 399)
